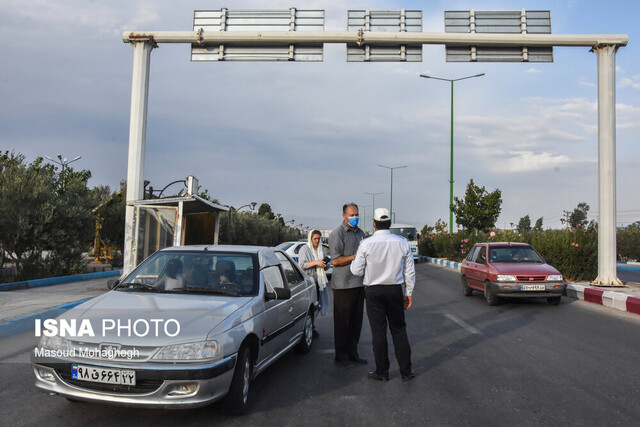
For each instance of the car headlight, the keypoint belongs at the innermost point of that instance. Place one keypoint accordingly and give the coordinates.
(554, 278)
(55, 343)
(505, 278)
(189, 351)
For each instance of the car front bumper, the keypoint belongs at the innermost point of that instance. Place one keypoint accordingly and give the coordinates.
(515, 290)
(157, 385)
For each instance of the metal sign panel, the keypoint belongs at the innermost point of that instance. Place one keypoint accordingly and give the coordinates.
(258, 20)
(384, 21)
(498, 22)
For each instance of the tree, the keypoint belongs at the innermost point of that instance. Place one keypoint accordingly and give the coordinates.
(72, 228)
(265, 210)
(426, 230)
(441, 226)
(45, 217)
(524, 225)
(27, 210)
(578, 217)
(479, 210)
(538, 226)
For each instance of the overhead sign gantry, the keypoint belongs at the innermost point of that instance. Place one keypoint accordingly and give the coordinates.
(482, 39)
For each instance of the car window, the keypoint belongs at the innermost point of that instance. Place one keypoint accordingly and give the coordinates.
(474, 253)
(514, 254)
(297, 249)
(292, 274)
(273, 278)
(481, 258)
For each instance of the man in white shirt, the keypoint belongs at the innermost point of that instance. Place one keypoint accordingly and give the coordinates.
(386, 262)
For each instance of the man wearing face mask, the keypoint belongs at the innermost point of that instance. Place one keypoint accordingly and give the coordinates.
(348, 291)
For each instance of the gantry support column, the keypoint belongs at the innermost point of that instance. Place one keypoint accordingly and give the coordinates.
(137, 141)
(607, 275)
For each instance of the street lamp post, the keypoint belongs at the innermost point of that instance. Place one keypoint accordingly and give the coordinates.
(373, 202)
(391, 193)
(364, 217)
(63, 163)
(426, 76)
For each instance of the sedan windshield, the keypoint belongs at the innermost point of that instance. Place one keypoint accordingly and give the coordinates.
(514, 254)
(229, 274)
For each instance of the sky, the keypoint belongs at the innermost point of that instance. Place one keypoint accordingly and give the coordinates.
(308, 137)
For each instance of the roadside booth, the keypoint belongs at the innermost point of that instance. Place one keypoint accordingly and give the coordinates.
(174, 221)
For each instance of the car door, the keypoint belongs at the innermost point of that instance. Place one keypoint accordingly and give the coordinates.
(474, 267)
(300, 298)
(277, 328)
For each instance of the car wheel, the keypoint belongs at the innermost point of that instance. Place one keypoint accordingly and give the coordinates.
(238, 396)
(466, 290)
(554, 300)
(307, 335)
(492, 299)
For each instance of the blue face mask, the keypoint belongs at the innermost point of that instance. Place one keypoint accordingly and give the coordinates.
(353, 221)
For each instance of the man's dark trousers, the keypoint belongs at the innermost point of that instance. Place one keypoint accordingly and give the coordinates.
(386, 302)
(348, 308)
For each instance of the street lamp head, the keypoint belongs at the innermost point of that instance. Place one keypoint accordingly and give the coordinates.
(253, 205)
(426, 76)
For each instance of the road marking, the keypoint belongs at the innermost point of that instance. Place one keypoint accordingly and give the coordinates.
(465, 325)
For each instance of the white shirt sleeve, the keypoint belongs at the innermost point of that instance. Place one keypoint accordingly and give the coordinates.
(358, 264)
(409, 272)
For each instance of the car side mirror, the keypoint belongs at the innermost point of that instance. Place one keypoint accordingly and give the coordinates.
(278, 294)
(548, 261)
(112, 283)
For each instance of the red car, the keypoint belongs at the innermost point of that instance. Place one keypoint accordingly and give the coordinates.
(513, 270)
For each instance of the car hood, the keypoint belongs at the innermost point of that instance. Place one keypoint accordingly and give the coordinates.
(524, 268)
(196, 316)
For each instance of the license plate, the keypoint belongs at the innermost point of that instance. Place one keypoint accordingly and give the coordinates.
(532, 288)
(103, 375)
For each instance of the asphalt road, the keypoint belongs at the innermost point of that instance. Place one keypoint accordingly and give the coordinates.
(520, 363)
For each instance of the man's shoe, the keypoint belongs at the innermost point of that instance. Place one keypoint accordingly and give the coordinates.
(376, 376)
(316, 334)
(411, 375)
(358, 360)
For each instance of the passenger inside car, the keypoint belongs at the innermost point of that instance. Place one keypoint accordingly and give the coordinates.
(172, 278)
(226, 268)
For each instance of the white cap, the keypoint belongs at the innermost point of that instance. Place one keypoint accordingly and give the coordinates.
(381, 214)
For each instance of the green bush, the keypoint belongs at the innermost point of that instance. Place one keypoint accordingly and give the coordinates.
(628, 242)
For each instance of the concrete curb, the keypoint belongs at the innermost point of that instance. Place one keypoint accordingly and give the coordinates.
(20, 324)
(57, 280)
(618, 300)
(444, 263)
